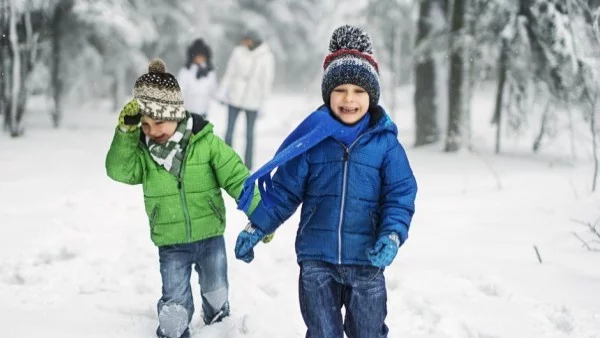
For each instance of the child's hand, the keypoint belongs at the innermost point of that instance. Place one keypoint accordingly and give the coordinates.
(268, 238)
(246, 241)
(384, 251)
(130, 116)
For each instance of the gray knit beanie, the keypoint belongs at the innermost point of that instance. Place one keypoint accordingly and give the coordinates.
(350, 62)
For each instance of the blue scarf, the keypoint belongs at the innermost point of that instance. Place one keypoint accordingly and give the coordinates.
(318, 126)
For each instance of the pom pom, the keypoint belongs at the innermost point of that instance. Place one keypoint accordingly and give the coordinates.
(157, 66)
(350, 37)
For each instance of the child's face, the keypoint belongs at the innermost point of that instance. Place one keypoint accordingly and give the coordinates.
(158, 131)
(349, 103)
(247, 42)
(199, 59)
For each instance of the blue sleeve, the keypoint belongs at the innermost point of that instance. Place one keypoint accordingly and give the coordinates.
(289, 184)
(399, 191)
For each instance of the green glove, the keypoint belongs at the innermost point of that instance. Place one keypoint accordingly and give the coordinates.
(268, 238)
(130, 117)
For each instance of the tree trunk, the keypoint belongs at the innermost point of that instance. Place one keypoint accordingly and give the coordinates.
(395, 56)
(470, 75)
(118, 87)
(594, 146)
(425, 96)
(3, 72)
(13, 126)
(60, 13)
(456, 118)
(29, 54)
(537, 143)
(502, 69)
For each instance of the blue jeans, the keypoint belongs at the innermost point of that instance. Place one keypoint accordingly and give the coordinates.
(176, 306)
(324, 288)
(250, 120)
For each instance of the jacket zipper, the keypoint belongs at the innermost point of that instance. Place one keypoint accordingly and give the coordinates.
(343, 199)
(184, 202)
(342, 202)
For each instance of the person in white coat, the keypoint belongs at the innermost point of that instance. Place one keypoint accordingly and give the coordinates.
(246, 85)
(197, 79)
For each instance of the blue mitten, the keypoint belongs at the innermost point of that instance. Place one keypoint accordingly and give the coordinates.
(384, 251)
(246, 241)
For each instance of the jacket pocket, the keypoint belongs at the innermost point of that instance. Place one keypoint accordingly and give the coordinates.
(374, 221)
(153, 216)
(216, 211)
(306, 219)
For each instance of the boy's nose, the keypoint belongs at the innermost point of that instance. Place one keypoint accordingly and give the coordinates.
(153, 132)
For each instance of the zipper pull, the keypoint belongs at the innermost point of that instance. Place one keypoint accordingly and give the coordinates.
(346, 155)
(178, 183)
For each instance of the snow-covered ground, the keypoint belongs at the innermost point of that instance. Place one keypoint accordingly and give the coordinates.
(76, 258)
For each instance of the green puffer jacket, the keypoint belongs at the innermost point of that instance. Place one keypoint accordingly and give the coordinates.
(186, 210)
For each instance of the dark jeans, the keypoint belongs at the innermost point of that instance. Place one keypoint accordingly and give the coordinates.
(176, 306)
(250, 120)
(324, 288)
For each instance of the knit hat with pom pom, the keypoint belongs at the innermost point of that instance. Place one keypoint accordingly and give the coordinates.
(350, 62)
(158, 94)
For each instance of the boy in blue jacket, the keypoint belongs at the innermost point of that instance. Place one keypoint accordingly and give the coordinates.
(344, 164)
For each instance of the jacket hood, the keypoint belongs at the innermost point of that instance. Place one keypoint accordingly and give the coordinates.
(200, 127)
(381, 121)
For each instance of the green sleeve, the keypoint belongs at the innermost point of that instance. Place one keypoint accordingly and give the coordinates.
(124, 158)
(230, 170)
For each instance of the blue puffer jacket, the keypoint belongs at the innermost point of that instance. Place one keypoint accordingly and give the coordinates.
(350, 195)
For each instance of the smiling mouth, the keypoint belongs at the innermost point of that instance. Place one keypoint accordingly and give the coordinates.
(348, 110)
(160, 138)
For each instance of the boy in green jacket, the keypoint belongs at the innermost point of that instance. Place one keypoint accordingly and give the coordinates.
(182, 167)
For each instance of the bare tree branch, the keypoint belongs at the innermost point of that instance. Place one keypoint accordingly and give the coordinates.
(584, 243)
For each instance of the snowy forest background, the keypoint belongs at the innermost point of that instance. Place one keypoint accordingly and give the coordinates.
(541, 56)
